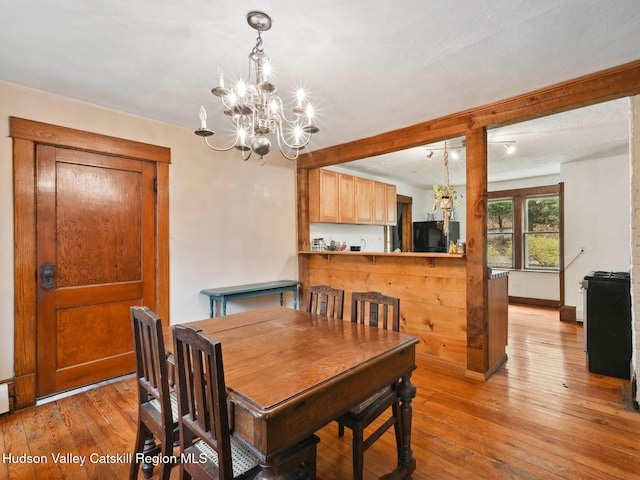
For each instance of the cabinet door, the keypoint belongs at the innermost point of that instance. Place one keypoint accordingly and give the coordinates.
(323, 196)
(391, 205)
(379, 203)
(346, 202)
(363, 200)
(329, 202)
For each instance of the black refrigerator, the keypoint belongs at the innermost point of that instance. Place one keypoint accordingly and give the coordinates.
(608, 322)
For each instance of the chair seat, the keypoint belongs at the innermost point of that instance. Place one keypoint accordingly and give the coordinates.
(358, 409)
(242, 459)
(173, 397)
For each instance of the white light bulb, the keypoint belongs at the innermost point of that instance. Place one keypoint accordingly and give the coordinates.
(300, 95)
(241, 88)
(220, 76)
(309, 111)
(203, 117)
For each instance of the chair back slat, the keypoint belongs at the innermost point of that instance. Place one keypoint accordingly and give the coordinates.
(325, 300)
(376, 310)
(202, 394)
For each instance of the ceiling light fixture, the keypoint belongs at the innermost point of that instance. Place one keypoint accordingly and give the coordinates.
(510, 147)
(456, 151)
(256, 111)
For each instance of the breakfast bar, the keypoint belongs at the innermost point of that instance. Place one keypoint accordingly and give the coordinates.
(431, 288)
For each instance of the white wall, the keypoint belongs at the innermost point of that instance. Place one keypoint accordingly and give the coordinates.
(596, 205)
(230, 221)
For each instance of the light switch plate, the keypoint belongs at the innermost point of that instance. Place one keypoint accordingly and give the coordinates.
(4, 398)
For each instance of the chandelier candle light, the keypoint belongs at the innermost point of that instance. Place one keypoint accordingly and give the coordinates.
(256, 111)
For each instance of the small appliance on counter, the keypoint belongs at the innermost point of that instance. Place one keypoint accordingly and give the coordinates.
(318, 245)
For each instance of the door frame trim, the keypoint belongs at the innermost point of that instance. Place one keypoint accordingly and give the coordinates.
(26, 134)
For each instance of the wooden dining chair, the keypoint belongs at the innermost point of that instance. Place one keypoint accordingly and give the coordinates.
(381, 311)
(204, 417)
(325, 300)
(157, 404)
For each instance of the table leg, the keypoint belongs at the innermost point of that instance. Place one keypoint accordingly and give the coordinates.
(212, 304)
(224, 306)
(406, 461)
(282, 299)
(268, 472)
(295, 297)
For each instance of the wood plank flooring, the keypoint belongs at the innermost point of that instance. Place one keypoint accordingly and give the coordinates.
(541, 416)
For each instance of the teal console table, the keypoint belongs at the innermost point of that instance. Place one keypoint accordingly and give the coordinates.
(225, 294)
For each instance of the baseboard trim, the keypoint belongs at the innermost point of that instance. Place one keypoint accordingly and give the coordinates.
(538, 302)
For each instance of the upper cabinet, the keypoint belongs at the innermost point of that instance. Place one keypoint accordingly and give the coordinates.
(363, 200)
(341, 198)
(392, 204)
(323, 196)
(346, 199)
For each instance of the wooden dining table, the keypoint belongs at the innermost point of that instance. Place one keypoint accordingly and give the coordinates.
(289, 373)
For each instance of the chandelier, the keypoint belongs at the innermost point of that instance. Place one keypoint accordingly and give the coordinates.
(256, 111)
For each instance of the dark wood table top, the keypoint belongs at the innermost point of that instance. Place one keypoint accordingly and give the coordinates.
(276, 354)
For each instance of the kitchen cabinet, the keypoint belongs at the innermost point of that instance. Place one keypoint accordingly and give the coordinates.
(323, 196)
(391, 204)
(346, 199)
(379, 203)
(363, 200)
(342, 198)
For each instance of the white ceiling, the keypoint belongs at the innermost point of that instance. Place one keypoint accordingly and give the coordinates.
(369, 66)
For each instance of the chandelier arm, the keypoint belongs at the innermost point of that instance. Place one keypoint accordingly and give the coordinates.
(284, 154)
(206, 140)
(281, 140)
(296, 147)
(282, 112)
(224, 103)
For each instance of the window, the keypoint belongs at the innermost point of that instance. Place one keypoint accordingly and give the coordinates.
(500, 233)
(542, 233)
(523, 228)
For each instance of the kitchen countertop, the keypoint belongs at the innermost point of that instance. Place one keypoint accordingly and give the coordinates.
(385, 254)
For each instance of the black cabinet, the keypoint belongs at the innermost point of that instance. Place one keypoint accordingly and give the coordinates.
(608, 323)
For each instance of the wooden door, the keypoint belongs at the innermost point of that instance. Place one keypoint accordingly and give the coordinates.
(96, 253)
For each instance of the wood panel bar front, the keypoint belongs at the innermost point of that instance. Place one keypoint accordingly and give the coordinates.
(431, 288)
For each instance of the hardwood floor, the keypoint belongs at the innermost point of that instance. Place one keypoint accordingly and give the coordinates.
(541, 416)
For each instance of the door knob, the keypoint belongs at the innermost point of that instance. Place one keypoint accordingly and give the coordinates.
(48, 275)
